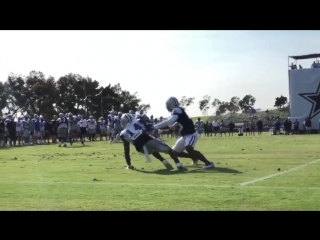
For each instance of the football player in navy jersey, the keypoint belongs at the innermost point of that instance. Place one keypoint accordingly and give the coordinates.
(189, 136)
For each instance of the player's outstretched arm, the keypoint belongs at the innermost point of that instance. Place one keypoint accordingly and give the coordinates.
(166, 123)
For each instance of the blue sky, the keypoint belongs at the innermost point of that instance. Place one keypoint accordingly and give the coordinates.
(159, 64)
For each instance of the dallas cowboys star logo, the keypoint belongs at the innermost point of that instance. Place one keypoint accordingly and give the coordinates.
(314, 99)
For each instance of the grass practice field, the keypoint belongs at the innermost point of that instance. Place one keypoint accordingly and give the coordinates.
(253, 173)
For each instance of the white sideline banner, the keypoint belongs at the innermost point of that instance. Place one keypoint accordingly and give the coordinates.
(304, 95)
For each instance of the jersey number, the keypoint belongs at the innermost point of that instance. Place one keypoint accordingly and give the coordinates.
(63, 120)
(134, 136)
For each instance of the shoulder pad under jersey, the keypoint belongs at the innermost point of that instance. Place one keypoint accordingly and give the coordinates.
(176, 111)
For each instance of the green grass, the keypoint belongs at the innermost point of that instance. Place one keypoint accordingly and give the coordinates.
(94, 177)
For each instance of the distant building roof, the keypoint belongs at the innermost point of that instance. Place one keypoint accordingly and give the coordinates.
(301, 57)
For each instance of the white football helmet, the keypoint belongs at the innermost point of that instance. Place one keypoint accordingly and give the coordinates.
(126, 119)
(172, 103)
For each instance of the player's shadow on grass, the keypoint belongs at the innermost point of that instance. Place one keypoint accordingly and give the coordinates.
(79, 146)
(192, 170)
(215, 170)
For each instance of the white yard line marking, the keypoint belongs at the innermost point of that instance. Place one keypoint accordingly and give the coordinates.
(278, 174)
(157, 185)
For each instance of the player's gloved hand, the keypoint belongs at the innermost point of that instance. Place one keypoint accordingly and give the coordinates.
(130, 167)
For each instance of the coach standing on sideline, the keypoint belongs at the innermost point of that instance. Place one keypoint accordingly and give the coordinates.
(215, 126)
(11, 126)
(2, 131)
(231, 126)
(308, 125)
(37, 130)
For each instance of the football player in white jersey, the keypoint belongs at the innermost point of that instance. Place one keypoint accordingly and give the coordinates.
(26, 130)
(42, 129)
(135, 133)
(117, 127)
(102, 128)
(139, 114)
(82, 123)
(92, 128)
(62, 123)
(132, 113)
(199, 126)
(19, 130)
(110, 126)
(189, 135)
(73, 128)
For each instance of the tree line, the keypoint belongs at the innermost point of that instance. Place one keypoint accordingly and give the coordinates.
(235, 104)
(37, 93)
(222, 107)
